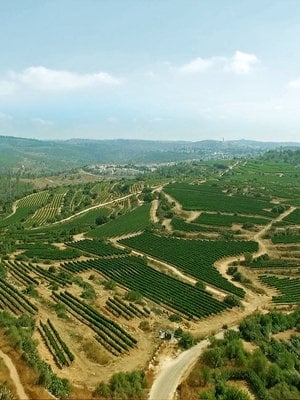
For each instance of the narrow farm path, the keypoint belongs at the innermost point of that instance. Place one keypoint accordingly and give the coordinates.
(14, 209)
(14, 376)
(95, 207)
(223, 264)
(259, 236)
(154, 206)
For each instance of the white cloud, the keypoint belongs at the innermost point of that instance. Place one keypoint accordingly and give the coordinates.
(242, 63)
(295, 84)
(50, 80)
(197, 65)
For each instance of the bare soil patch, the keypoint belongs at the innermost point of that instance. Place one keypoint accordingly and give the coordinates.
(286, 335)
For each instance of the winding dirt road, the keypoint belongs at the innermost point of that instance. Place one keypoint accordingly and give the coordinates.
(14, 376)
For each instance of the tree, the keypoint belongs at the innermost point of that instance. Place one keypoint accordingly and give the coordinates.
(186, 341)
(101, 219)
(214, 358)
(102, 391)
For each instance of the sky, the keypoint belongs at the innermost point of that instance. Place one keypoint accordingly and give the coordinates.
(150, 69)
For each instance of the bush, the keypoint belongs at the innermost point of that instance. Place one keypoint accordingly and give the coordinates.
(175, 318)
(178, 333)
(232, 300)
(109, 285)
(200, 285)
(144, 326)
(123, 385)
(134, 296)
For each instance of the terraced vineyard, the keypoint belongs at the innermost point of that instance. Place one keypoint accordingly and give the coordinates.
(294, 217)
(211, 198)
(285, 237)
(180, 225)
(229, 220)
(48, 251)
(48, 212)
(36, 200)
(57, 347)
(289, 287)
(19, 271)
(80, 223)
(133, 221)
(18, 217)
(133, 273)
(97, 247)
(120, 308)
(12, 299)
(270, 263)
(194, 257)
(111, 335)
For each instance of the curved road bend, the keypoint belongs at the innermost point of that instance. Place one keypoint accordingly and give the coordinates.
(169, 378)
(14, 376)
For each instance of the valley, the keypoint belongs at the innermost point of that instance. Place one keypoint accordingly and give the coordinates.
(110, 276)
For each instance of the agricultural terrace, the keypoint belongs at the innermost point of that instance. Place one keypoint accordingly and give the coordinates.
(110, 334)
(285, 237)
(194, 257)
(36, 200)
(97, 247)
(267, 180)
(181, 225)
(48, 251)
(228, 220)
(60, 351)
(14, 300)
(81, 223)
(48, 212)
(134, 221)
(133, 273)
(294, 217)
(18, 217)
(289, 287)
(209, 197)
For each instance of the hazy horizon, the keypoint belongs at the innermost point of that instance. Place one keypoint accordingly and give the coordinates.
(152, 70)
(150, 140)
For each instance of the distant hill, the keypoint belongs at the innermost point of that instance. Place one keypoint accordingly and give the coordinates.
(50, 156)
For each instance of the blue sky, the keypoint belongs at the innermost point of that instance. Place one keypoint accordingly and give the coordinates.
(150, 69)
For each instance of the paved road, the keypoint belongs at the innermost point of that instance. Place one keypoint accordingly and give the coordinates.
(168, 379)
(14, 376)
